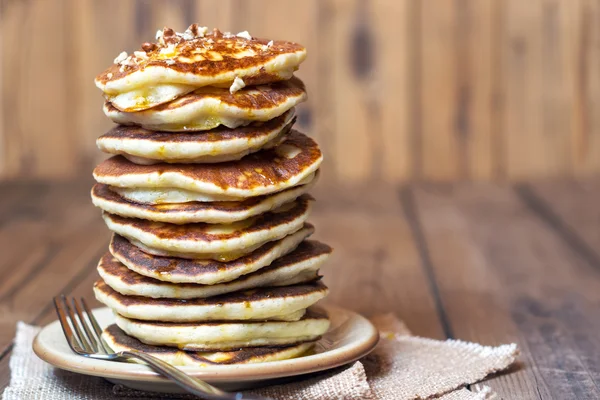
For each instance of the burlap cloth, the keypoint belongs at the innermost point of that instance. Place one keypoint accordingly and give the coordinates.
(401, 367)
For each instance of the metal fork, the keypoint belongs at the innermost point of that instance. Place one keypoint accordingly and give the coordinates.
(86, 341)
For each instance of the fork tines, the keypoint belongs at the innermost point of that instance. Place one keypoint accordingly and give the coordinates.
(82, 331)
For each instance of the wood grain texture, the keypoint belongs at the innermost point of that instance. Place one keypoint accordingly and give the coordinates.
(539, 82)
(571, 206)
(351, 59)
(585, 141)
(31, 68)
(504, 275)
(399, 90)
(458, 89)
(47, 241)
(376, 267)
(392, 97)
(92, 46)
(440, 149)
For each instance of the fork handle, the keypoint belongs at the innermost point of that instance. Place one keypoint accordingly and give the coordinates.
(192, 385)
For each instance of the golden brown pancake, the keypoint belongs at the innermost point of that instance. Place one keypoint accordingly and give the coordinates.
(220, 212)
(120, 341)
(284, 303)
(222, 242)
(221, 144)
(227, 335)
(206, 272)
(299, 266)
(209, 107)
(258, 174)
(179, 63)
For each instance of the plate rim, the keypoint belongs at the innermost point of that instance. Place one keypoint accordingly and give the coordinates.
(242, 372)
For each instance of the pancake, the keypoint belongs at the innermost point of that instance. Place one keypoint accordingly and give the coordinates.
(190, 212)
(118, 340)
(224, 335)
(205, 272)
(209, 107)
(257, 174)
(299, 266)
(221, 144)
(176, 196)
(221, 242)
(178, 63)
(285, 303)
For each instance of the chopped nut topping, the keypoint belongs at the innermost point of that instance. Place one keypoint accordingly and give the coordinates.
(266, 47)
(185, 35)
(170, 37)
(194, 31)
(121, 57)
(160, 38)
(168, 40)
(168, 49)
(109, 75)
(148, 47)
(202, 31)
(245, 35)
(129, 61)
(141, 54)
(237, 84)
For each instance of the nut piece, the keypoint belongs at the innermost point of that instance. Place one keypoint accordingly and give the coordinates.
(160, 37)
(169, 49)
(170, 37)
(148, 47)
(245, 35)
(237, 84)
(202, 31)
(141, 55)
(194, 31)
(121, 57)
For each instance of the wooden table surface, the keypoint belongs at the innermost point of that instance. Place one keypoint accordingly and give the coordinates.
(485, 263)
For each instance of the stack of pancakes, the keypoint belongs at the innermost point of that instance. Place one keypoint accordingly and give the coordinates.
(207, 197)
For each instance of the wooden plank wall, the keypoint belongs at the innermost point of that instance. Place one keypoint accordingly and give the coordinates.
(399, 90)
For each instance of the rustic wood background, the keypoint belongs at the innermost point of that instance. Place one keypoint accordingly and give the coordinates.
(399, 90)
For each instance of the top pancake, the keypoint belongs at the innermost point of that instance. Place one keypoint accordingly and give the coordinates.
(181, 62)
(257, 174)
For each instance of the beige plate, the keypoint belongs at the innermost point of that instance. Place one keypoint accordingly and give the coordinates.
(350, 337)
